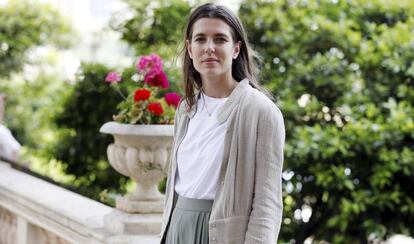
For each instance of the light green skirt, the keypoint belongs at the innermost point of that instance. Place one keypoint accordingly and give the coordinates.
(189, 221)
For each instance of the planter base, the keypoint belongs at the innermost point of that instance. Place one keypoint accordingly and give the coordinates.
(142, 153)
(139, 206)
(120, 223)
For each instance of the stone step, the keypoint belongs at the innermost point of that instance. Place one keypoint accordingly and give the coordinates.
(144, 239)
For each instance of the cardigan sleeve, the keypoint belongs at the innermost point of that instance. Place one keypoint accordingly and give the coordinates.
(266, 214)
(177, 117)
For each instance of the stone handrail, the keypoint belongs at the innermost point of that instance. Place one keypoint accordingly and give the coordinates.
(35, 211)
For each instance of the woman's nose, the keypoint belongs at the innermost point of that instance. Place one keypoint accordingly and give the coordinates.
(209, 49)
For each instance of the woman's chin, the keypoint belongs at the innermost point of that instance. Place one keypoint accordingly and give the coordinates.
(210, 73)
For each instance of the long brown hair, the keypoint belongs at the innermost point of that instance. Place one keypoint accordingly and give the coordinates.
(244, 66)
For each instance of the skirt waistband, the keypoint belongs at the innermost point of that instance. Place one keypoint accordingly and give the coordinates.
(193, 204)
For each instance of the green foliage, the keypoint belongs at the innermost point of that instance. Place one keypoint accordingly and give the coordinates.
(36, 94)
(343, 72)
(24, 25)
(344, 75)
(156, 27)
(91, 104)
(30, 107)
(137, 112)
(162, 185)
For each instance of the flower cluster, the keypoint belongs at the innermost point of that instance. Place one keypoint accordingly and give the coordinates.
(144, 105)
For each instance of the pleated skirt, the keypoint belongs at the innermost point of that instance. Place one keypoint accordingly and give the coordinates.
(189, 221)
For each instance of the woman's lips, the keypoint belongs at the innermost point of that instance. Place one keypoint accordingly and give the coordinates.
(210, 60)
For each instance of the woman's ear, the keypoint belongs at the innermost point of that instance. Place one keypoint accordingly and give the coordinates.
(237, 48)
(188, 46)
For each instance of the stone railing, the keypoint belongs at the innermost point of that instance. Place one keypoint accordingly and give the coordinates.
(35, 211)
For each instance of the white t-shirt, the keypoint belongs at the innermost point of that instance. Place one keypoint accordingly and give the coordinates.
(200, 154)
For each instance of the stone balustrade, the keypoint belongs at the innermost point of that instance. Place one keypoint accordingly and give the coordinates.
(33, 211)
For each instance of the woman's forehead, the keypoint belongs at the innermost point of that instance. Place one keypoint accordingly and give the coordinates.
(211, 26)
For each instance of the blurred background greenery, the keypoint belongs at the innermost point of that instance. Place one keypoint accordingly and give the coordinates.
(342, 73)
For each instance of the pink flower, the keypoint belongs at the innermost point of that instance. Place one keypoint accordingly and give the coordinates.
(172, 99)
(113, 77)
(159, 80)
(150, 65)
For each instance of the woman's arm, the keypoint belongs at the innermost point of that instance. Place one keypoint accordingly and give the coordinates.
(266, 215)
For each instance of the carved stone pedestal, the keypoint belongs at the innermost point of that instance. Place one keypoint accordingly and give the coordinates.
(140, 152)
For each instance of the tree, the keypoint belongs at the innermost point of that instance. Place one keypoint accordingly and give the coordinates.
(24, 25)
(91, 103)
(156, 27)
(343, 75)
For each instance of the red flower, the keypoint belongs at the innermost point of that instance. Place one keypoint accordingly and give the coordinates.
(172, 99)
(155, 108)
(159, 80)
(142, 95)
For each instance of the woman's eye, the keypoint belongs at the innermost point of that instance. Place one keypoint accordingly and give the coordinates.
(199, 39)
(221, 39)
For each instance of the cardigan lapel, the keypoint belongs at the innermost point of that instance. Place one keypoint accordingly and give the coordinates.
(233, 101)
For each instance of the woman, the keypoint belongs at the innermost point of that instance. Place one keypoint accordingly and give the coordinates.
(224, 179)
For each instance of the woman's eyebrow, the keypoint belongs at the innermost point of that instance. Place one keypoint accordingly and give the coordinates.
(221, 35)
(216, 35)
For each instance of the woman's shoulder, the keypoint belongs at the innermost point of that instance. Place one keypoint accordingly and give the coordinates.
(256, 102)
(260, 109)
(184, 107)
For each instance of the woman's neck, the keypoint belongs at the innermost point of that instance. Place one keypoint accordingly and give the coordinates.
(218, 88)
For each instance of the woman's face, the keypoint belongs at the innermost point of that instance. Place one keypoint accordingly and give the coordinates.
(212, 48)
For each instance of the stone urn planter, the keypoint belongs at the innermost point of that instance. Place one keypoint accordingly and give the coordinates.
(142, 153)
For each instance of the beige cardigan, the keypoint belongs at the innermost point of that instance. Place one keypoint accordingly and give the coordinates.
(248, 205)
